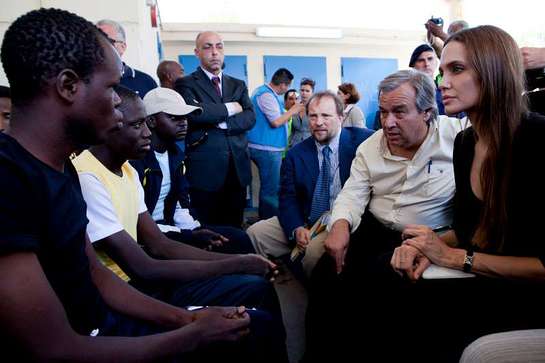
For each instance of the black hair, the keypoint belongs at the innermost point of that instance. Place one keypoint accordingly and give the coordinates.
(126, 95)
(307, 82)
(282, 75)
(41, 43)
(287, 94)
(4, 92)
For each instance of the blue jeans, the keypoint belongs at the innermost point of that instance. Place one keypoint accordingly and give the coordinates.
(268, 163)
(265, 343)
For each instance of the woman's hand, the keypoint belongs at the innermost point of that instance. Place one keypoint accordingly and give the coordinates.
(427, 242)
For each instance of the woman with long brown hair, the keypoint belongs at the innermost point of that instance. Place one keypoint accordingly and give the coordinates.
(497, 233)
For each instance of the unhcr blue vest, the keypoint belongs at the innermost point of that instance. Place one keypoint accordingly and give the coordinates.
(263, 133)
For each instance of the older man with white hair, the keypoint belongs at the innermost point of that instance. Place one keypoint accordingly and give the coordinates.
(132, 78)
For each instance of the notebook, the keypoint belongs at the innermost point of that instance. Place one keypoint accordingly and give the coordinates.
(440, 272)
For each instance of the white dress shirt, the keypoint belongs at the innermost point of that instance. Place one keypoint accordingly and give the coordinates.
(228, 105)
(400, 191)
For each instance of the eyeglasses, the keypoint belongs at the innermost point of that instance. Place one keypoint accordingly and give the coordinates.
(113, 41)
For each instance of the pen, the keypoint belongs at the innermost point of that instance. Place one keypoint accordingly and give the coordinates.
(429, 166)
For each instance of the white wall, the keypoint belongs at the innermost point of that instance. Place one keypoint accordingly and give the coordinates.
(134, 15)
(241, 40)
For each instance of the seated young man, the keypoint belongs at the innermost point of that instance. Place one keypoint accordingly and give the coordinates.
(166, 189)
(180, 274)
(58, 303)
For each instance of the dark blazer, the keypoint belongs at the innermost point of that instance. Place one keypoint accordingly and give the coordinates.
(151, 178)
(299, 175)
(207, 147)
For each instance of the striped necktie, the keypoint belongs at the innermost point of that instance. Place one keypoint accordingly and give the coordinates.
(216, 81)
(320, 199)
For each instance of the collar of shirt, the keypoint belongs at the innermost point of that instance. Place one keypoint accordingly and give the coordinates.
(128, 71)
(269, 87)
(210, 75)
(333, 144)
(348, 108)
(385, 150)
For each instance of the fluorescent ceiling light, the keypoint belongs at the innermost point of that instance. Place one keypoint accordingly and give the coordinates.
(292, 32)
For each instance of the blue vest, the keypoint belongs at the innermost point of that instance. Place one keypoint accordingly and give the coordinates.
(263, 133)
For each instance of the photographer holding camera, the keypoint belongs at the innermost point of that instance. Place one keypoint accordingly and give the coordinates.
(436, 36)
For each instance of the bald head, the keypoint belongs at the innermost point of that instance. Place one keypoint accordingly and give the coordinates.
(209, 50)
(168, 72)
(205, 35)
(456, 26)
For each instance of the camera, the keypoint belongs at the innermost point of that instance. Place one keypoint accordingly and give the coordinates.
(437, 21)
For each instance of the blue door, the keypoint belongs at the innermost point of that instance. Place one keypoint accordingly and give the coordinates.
(301, 67)
(235, 65)
(366, 74)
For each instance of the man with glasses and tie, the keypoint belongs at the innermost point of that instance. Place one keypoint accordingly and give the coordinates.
(133, 79)
(313, 173)
(218, 164)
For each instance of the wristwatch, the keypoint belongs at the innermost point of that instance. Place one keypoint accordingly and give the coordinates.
(468, 260)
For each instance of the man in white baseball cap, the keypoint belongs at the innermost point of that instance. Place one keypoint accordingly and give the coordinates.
(166, 100)
(162, 176)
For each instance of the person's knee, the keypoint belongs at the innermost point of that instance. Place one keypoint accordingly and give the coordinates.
(244, 243)
(255, 283)
(254, 233)
(239, 241)
(511, 346)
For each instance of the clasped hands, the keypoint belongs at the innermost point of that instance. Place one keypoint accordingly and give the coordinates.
(420, 248)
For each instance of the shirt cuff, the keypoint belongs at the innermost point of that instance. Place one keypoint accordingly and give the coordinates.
(292, 235)
(167, 228)
(230, 108)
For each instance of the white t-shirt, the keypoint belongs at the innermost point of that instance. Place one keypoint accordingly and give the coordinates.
(103, 220)
(162, 159)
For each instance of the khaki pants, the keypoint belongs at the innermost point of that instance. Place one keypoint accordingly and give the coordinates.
(269, 239)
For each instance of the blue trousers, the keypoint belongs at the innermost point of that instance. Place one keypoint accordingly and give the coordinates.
(261, 345)
(268, 163)
(266, 341)
(239, 242)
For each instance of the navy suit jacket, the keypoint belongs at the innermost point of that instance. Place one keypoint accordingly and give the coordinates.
(299, 175)
(207, 147)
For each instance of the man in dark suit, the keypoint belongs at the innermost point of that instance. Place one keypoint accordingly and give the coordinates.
(311, 178)
(218, 164)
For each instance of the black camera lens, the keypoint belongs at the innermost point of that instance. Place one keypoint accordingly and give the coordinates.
(438, 21)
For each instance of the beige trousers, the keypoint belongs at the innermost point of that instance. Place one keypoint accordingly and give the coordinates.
(269, 239)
